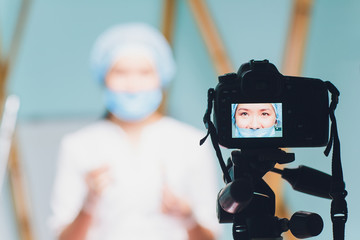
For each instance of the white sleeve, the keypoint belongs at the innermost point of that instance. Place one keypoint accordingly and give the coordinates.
(69, 188)
(205, 186)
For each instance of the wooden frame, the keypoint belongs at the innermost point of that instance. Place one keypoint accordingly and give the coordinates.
(169, 16)
(211, 37)
(297, 37)
(17, 183)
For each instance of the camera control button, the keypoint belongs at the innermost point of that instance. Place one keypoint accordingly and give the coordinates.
(227, 77)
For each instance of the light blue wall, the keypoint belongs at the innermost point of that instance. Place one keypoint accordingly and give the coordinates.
(53, 79)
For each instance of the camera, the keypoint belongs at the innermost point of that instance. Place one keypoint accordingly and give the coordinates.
(258, 107)
(258, 111)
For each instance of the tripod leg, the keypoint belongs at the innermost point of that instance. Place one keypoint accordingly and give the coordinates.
(240, 229)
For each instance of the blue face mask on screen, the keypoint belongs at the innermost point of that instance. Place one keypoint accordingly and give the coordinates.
(133, 106)
(261, 132)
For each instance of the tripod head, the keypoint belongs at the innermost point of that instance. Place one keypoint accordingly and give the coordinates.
(249, 203)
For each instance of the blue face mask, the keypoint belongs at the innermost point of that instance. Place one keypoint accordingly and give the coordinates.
(254, 133)
(133, 106)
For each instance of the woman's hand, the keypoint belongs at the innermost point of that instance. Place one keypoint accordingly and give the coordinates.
(97, 180)
(176, 206)
(180, 208)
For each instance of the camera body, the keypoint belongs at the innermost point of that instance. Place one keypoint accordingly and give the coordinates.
(298, 109)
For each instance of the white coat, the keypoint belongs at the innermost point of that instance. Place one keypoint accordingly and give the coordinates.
(130, 208)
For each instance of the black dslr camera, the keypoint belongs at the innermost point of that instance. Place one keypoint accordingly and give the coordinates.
(258, 111)
(258, 107)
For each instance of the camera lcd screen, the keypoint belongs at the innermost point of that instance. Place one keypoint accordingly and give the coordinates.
(256, 120)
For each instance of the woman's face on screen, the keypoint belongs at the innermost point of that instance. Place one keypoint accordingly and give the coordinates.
(255, 116)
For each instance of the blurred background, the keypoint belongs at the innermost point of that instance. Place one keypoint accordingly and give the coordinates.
(45, 47)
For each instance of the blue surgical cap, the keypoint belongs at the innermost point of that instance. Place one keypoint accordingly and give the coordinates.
(278, 111)
(132, 37)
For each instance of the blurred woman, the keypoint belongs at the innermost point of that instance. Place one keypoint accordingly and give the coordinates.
(136, 174)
